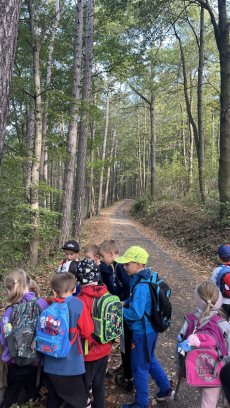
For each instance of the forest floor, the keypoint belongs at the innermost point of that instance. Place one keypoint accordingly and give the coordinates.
(181, 267)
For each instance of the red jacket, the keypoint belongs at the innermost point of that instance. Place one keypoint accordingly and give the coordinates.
(95, 350)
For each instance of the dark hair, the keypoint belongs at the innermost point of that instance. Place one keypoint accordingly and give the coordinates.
(109, 245)
(63, 282)
(92, 248)
(225, 380)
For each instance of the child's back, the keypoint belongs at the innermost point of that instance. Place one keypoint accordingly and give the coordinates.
(96, 355)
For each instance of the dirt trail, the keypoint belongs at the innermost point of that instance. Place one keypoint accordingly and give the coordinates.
(181, 281)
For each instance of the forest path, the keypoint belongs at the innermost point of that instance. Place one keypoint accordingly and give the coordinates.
(181, 281)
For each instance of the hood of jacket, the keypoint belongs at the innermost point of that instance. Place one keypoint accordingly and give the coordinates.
(93, 291)
(145, 273)
(27, 297)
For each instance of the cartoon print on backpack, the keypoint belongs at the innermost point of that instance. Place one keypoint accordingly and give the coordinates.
(223, 281)
(52, 326)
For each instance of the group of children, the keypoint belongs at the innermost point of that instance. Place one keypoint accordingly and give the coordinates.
(77, 284)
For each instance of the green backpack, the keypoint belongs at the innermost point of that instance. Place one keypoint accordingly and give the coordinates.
(107, 318)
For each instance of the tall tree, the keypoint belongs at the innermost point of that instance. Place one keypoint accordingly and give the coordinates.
(83, 134)
(103, 150)
(9, 19)
(65, 220)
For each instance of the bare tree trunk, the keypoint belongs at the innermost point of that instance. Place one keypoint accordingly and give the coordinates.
(83, 135)
(200, 108)
(38, 135)
(110, 157)
(191, 120)
(65, 219)
(93, 130)
(103, 150)
(191, 156)
(29, 146)
(153, 147)
(114, 174)
(44, 153)
(213, 135)
(139, 154)
(9, 20)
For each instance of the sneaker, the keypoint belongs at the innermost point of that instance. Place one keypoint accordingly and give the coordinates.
(88, 403)
(167, 396)
(127, 385)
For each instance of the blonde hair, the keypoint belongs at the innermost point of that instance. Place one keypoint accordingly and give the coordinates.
(109, 245)
(209, 293)
(15, 283)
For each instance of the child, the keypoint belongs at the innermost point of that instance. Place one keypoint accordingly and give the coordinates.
(71, 251)
(224, 256)
(140, 301)
(92, 252)
(17, 284)
(97, 357)
(208, 300)
(64, 375)
(108, 250)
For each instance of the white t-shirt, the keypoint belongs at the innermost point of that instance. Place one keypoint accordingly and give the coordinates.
(213, 279)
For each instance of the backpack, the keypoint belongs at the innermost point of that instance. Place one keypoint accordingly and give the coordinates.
(107, 317)
(223, 281)
(21, 340)
(53, 330)
(161, 312)
(202, 364)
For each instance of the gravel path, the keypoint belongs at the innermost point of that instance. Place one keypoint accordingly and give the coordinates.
(181, 281)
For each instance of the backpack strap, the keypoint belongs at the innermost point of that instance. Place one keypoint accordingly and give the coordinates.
(115, 271)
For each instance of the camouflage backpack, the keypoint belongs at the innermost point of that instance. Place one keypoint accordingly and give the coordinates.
(21, 340)
(107, 318)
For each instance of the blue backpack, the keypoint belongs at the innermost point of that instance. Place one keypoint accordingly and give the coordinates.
(223, 280)
(53, 330)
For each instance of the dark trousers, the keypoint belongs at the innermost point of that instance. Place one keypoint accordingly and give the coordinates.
(226, 309)
(68, 388)
(17, 377)
(126, 358)
(95, 374)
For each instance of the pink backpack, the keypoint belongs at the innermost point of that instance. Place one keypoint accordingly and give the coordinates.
(204, 362)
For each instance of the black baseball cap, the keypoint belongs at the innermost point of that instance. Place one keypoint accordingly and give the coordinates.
(72, 246)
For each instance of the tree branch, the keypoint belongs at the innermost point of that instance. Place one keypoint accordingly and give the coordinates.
(139, 94)
(47, 26)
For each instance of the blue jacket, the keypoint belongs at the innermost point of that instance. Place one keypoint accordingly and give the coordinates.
(140, 301)
(122, 281)
(106, 277)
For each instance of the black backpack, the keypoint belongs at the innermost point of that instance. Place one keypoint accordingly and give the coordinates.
(161, 312)
(22, 339)
(160, 317)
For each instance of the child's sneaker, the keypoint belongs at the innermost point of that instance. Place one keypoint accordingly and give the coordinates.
(126, 384)
(167, 396)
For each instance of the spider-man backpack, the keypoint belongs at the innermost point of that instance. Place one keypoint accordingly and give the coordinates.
(53, 330)
(223, 281)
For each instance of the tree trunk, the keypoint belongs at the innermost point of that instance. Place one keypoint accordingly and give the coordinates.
(9, 20)
(65, 219)
(83, 135)
(114, 174)
(200, 107)
(191, 120)
(224, 166)
(139, 155)
(103, 150)
(110, 157)
(93, 130)
(44, 154)
(29, 146)
(153, 147)
(191, 155)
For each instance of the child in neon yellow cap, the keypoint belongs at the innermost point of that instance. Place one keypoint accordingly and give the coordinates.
(140, 301)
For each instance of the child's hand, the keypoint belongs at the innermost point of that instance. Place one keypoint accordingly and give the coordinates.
(178, 375)
(123, 304)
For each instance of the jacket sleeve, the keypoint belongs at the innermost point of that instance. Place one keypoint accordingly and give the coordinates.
(137, 308)
(107, 278)
(85, 323)
(214, 275)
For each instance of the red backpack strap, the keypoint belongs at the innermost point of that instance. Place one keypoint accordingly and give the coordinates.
(76, 337)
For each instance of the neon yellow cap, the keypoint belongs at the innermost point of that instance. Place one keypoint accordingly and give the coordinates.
(134, 254)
